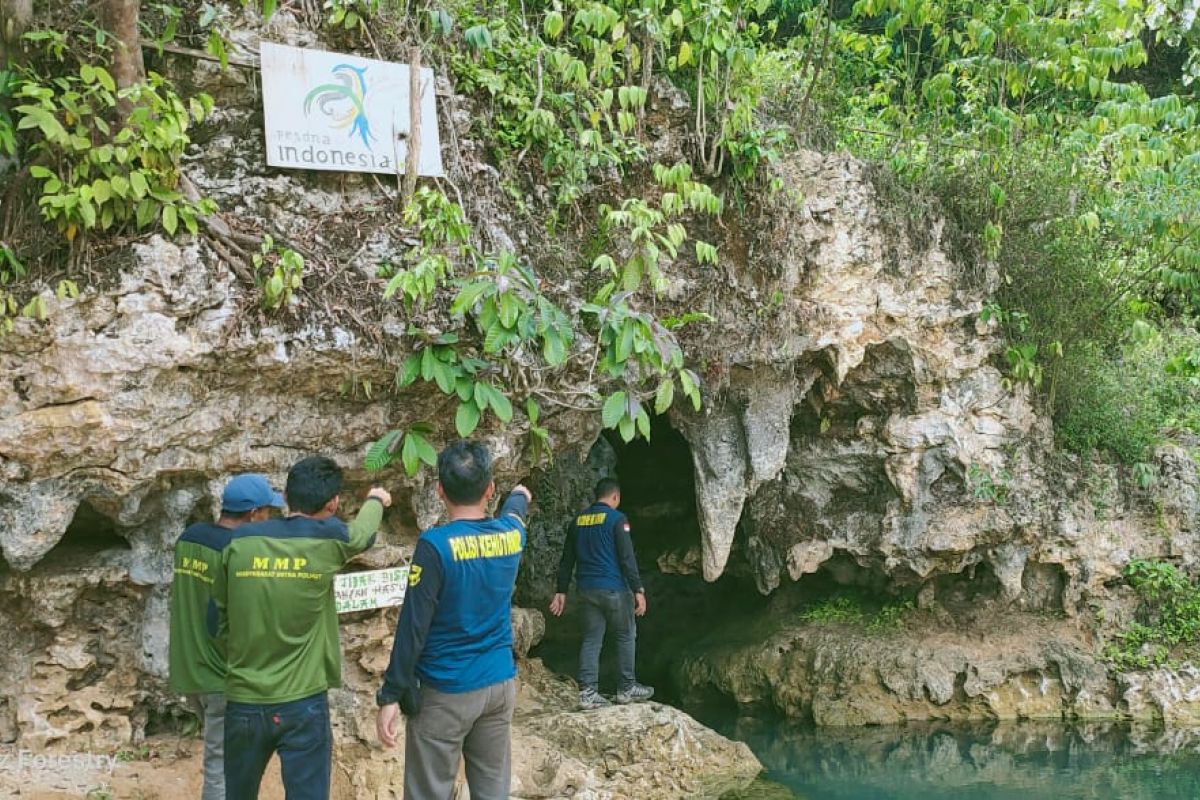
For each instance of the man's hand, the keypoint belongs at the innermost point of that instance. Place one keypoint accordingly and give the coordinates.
(520, 487)
(639, 604)
(387, 724)
(558, 604)
(380, 494)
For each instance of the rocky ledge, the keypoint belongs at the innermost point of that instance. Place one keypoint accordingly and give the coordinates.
(996, 665)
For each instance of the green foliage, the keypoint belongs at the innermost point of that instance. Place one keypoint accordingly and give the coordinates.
(1168, 618)
(444, 234)
(279, 272)
(653, 231)
(96, 174)
(351, 14)
(987, 485)
(575, 87)
(412, 445)
(891, 617)
(834, 611)
(848, 610)
(508, 333)
(11, 269)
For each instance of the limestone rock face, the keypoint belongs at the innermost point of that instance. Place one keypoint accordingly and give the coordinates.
(1169, 697)
(839, 675)
(859, 413)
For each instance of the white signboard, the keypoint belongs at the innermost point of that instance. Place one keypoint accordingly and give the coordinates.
(337, 112)
(379, 588)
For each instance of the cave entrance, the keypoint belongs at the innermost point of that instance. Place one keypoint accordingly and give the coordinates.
(658, 495)
(89, 533)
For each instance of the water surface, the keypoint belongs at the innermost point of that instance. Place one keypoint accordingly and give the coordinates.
(1016, 761)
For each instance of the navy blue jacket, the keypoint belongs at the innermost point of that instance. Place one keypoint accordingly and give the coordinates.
(599, 551)
(455, 628)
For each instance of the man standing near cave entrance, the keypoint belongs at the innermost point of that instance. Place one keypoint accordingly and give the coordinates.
(600, 549)
(197, 669)
(452, 671)
(279, 626)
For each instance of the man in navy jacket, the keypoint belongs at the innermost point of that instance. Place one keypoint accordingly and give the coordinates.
(452, 671)
(598, 551)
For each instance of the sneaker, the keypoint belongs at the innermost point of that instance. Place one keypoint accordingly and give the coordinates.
(635, 694)
(590, 699)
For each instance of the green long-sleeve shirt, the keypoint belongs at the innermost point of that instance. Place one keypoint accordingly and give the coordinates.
(274, 594)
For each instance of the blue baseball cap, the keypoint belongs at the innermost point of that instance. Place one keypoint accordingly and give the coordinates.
(247, 492)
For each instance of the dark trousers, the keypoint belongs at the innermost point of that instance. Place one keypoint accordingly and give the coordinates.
(603, 608)
(299, 731)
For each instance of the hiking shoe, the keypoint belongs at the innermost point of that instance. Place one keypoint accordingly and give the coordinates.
(590, 699)
(635, 694)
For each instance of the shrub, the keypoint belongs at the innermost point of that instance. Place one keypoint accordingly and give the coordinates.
(1168, 617)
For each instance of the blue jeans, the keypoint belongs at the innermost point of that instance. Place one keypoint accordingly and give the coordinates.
(299, 731)
(601, 608)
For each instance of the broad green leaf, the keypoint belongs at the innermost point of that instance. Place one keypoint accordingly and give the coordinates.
(664, 396)
(500, 404)
(101, 190)
(105, 79)
(381, 452)
(170, 219)
(643, 423)
(625, 341)
(553, 349)
(409, 371)
(510, 308)
(685, 54)
(467, 419)
(444, 375)
(410, 454)
(428, 364)
(137, 182)
(87, 213)
(614, 410)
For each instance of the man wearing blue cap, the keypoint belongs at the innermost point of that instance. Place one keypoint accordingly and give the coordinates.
(197, 669)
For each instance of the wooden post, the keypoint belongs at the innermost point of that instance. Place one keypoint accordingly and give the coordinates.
(413, 160)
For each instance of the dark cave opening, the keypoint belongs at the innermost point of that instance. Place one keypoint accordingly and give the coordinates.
(91, 531)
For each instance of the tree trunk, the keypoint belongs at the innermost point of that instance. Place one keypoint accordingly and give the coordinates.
(121, 20)
(15, 16)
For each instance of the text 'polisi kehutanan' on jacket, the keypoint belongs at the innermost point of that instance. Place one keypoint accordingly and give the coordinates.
(485, 545)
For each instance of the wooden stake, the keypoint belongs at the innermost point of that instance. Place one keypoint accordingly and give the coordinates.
(413, 160)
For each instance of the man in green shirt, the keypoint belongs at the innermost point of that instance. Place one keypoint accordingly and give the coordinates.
(279, 627)
(197, 669)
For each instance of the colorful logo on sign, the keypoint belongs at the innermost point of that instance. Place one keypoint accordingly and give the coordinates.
(344, 102)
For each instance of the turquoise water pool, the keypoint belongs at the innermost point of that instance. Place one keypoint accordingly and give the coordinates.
(1025, 761)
